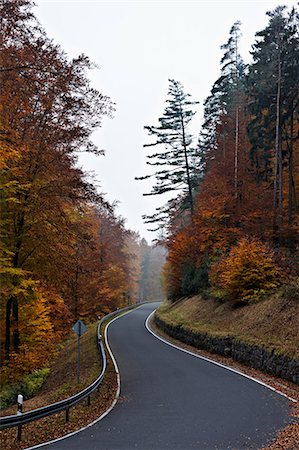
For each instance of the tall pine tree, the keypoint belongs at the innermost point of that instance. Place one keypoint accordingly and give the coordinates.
(225, 93)
(176, 158)
(273, 88)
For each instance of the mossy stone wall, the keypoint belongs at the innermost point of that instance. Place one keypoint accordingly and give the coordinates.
(257, 357)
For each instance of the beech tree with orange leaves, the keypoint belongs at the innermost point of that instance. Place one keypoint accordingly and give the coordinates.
(63, 250)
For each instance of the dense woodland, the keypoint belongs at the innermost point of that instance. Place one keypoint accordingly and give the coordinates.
(232, 227)
(65, 254)
(231, 230)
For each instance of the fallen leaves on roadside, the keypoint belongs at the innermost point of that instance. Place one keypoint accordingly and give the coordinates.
(53, 427)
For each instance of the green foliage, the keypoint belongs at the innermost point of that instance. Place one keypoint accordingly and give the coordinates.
(28, 387)
(176, 159)
(217, 294)
(33, 382)
(276, 48)
(194, 279)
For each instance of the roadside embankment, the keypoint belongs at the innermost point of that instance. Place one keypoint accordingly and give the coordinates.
(62, 383)
(263, 335)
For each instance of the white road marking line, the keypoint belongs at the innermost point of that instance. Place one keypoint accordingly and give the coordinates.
(114, 401)
(212, 361)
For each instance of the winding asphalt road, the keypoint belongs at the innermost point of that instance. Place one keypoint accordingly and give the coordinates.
(173, 400)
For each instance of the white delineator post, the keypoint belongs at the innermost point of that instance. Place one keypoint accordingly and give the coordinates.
(20, 411)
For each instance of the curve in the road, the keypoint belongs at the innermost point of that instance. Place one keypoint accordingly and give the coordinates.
(147, 324)
(171, 400)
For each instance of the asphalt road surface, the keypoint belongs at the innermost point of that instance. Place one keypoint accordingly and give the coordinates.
(173, 400)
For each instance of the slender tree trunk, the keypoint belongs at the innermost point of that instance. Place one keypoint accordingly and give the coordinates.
(277, 164)
(187, 165)
(294, 198)
(236, 163)
(277, 185)
(290, 205)
(236, 156)
(75, 290)
(7, 327)
(189, 181)
(15, 323)
(280, 180)
(12, 307)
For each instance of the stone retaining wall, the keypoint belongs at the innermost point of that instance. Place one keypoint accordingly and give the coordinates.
(251, 355)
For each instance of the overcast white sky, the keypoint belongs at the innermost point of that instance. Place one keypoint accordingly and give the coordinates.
(138, 46)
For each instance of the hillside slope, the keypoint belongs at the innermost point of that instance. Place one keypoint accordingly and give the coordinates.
(272, 323)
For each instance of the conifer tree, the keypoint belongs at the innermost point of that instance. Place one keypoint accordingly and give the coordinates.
(225, 94)
(273, 88)
(175, 150)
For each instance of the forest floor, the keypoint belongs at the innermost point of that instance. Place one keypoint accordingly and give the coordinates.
(272, 323)
(62, 383)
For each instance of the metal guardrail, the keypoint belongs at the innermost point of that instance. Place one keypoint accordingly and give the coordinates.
(64, 405)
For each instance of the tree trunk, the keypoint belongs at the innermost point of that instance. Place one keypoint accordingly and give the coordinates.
(236, 156)
(189, 182)
(290, 205)
(280, 179)
(277, 199)
(277, 138)
(236, 170)
(15, 323)
(7, 327)
(187, 166)
(277, 194)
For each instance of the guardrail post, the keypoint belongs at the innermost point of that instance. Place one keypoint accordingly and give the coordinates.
(19, 433)
(20, 411)
(88, 400)
(67, 414)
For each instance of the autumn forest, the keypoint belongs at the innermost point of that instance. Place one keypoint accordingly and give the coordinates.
(230, 231)
(65, 254)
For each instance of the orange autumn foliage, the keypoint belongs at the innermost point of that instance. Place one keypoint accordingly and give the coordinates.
(42, 324)
(247, 272)
(62, 245)
(221, 219)
(178, 252)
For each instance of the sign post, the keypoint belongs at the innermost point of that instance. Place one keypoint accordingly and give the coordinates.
(79, 328)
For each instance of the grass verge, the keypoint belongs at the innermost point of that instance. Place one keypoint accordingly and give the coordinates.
(271, 323)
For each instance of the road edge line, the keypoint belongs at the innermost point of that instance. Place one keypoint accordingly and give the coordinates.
(115, 398)
(231, 369)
